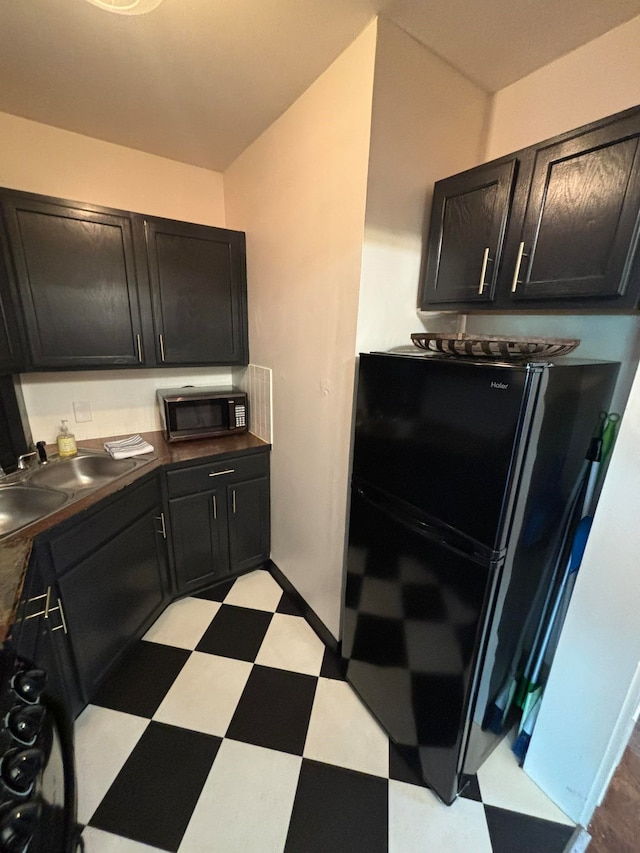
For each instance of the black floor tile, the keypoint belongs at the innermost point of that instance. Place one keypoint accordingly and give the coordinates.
(235, 632)
(153, 796)
(287, 606)
(511, 831)
(471, 790)
(217, 592)
(274, 709)
(332, 666)
(142, 679)
(338, 810)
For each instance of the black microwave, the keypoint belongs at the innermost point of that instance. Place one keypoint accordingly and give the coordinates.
(201, 412)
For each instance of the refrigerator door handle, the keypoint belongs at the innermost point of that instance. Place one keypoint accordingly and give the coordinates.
(449, 539)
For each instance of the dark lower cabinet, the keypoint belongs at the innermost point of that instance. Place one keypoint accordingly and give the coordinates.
(110, 596)
(198, 532)
(96, 584)
(219, 518)
(249, 523)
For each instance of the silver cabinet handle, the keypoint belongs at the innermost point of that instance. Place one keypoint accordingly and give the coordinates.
(514, 283)
(161, 338)
(63, 626)
(215, 508)
(233, 500)
(160, 518)
(139, 345)
(48, 609)
(483, 270)
(220, 473)
(58, 607)
(44, 595)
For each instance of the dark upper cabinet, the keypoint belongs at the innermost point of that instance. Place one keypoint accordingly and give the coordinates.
(77, 283)
(572, 227)
(198, 288)
(580, 225)
(83, 286)
(468, 221)
(12, 357)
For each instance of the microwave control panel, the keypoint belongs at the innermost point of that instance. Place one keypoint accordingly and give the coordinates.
(241, 415)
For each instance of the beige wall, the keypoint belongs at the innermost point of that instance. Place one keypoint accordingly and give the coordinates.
(598, 79)
(38, 158)
(589, 83)
(428, 121)
(590, 694)
(299, 193)
(41, 159)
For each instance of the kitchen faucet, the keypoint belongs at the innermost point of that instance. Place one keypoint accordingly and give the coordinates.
(40, 450)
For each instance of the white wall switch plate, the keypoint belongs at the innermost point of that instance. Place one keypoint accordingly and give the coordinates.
(82, 411)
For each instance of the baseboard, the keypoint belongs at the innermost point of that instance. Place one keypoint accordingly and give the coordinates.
(579, 841)
(310, 615)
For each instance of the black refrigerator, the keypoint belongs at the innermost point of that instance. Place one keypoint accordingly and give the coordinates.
(464, 477)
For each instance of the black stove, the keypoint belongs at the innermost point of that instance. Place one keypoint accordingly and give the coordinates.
(37, 772)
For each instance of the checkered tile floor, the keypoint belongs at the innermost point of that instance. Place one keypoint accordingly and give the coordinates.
(229, 728)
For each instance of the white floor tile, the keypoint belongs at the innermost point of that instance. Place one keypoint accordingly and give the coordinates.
(257, 589)
(504, 783)
(104, 740)
(97, 841)
(183, 623)
(205, 694)
(246, 802)
(419, 822)
(342, 731)
(291, 643)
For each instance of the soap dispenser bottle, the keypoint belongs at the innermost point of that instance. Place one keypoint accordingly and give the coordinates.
(66, 442)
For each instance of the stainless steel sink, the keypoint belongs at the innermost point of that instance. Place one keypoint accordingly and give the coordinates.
(82, 472)
(21, 505)
(30, 495)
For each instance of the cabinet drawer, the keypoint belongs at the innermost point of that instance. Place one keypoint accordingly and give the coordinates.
(84, 537)
(204, 478)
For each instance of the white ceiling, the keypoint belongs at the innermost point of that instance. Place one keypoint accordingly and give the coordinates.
(198, 80)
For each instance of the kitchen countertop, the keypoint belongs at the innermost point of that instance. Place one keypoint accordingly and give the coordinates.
(15, 549)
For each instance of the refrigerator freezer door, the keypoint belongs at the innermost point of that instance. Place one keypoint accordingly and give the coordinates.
(442, 436)
(412, 628)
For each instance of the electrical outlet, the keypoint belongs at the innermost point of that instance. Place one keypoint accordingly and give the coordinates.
(82, 411)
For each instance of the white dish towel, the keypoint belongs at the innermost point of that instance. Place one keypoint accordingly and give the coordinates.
(125, 447)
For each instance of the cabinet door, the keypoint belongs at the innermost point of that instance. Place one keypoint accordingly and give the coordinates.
(110, 596)
(76, 277)
(468, 220)
(198, 287)
(199, 537)
(12, 358)
(581, 223)
(249, 524)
